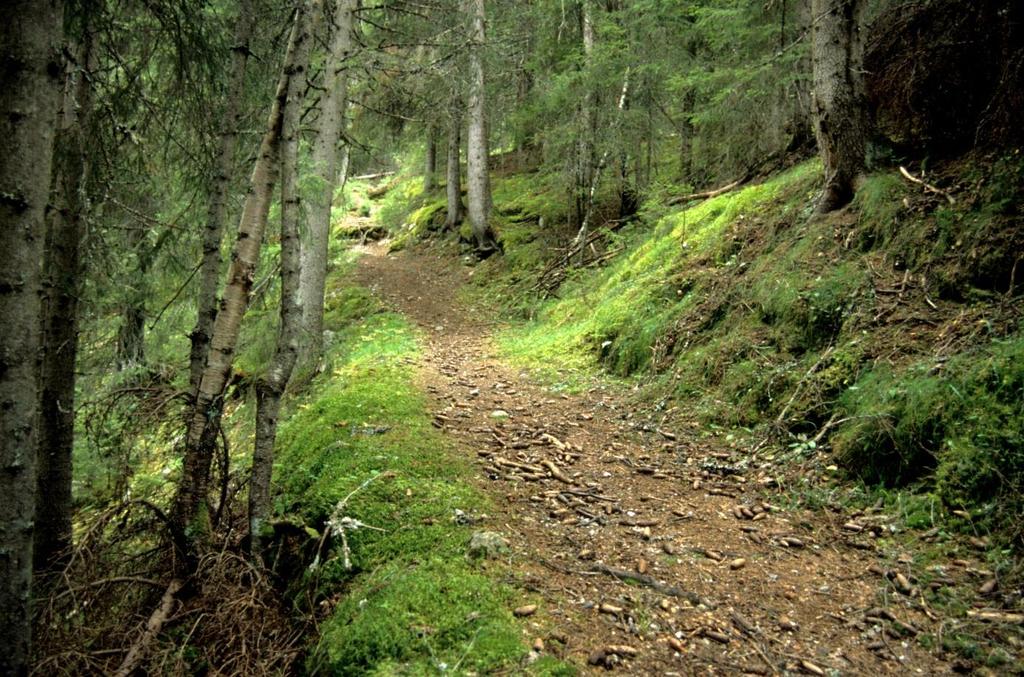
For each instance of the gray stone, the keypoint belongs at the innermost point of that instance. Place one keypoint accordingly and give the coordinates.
(487, 544)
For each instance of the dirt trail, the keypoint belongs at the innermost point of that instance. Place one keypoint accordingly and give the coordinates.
(781, 590)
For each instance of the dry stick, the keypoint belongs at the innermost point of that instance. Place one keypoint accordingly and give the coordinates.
(708, 194)
(651, 582)
(110, 581)
(153, 625)
(371, 177)
(927, 186)
(337, 511)
(556, 472)
(796, 391)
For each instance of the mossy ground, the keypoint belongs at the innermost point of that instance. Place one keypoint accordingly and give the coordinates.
(880, 347)
(413, 602)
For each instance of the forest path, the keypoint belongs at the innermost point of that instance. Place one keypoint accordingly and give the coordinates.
(782, 590)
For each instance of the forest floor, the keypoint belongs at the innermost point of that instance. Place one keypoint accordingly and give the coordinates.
(652, 550)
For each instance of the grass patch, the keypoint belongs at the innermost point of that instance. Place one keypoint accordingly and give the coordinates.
(748, 310)
(962, 420)
(412, 603)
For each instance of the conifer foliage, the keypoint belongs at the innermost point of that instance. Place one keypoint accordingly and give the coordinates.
(135, 134)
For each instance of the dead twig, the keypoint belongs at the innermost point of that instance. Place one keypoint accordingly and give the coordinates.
(927, 186)
(651, 582)
(153, 626)
(708, 194)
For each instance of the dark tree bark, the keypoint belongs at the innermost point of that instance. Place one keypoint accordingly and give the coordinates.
(220, 185)
(271, 387)
(131, 335)
(190, 515)
(840, 107)
(453, 168)
(63, 271)
(30, 80)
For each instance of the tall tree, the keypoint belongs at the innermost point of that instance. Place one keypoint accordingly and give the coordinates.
(131, 334)
(430, 160)
(63, 271)
(190, 516)
(478, 179)
(30, 45)
(217, 200)
(271, 386)
(325, 165)
(453, 168)
(839, 102)
(585, 140)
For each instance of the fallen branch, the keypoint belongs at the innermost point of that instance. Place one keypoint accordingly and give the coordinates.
(927, 186)
(110, 581)
(996, 616)
(651, 582)
(337, 523)
(153, 626)
(708, 194)
(556, 472)
(372, 177)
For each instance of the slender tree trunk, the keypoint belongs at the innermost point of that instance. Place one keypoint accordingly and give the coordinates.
(130, 349)
(453, 169)
(585, 144)
(30, 41)
(478, 178)
(581, 235)
(131, 335)
(62, 269)
(430, 161)
(217, 206)
(190, 517)
(313, 277)
(839, 102)
(271, 387)
(686, 136)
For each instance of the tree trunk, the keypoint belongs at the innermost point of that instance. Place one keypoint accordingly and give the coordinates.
(477, 171)
(131, 335)
(430, 161)
(581, 235)
(840, 108)
(313, 277)
(217, 206)
(585, 144)
(271, 387)
(63, 271)
(189, 516)
(453, 169)
(686, 136)
(30, 41)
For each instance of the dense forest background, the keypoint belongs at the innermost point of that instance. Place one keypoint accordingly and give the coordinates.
(794, 224)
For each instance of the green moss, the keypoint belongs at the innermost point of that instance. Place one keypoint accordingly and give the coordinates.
(626, 314)
(412, 601)
(421, 617)
(964, 420)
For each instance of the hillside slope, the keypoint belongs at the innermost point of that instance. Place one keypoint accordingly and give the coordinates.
(883, 342)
